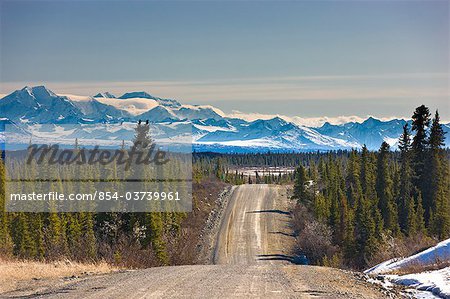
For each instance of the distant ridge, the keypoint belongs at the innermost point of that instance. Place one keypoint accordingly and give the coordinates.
(106, 94)
(210, 128)
(144, 95)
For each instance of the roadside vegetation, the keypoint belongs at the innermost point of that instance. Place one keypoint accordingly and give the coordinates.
(367, 207)
(125, 240)
(353, 209)
(357, 208)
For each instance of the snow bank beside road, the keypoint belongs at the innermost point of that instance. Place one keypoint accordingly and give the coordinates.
(437, 281)
(438, 253)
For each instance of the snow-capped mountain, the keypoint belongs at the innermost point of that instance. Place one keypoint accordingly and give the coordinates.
(105, 94)
(371, 132)
(38, 105)
(143, 95)
(114, 118)
(159, 114)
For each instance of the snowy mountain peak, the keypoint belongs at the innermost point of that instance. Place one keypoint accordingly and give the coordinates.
(42, 91)
(371, 121)
(136, 94)
(278, 120)
(274, 123)
(144, 95)
(106, 95)
(27, 89)
(38, 105)
(158, 114)
(35, 92)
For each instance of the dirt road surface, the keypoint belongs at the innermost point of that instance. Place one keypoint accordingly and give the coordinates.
(252, 259)
(255, 228)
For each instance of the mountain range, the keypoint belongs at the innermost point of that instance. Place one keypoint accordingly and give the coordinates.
(31, 109)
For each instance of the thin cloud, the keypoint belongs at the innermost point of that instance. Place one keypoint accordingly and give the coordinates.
(287, 88)
(307, 121)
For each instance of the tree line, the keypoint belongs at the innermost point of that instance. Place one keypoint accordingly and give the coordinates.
(367, 202)
(352, 206)
(134, 239)
(358, 207)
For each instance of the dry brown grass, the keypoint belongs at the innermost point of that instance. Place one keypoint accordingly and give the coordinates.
(390, 247)
(417, 267)
(15, 272)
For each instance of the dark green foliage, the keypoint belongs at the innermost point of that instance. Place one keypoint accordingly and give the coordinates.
(359, 198)
(420, 122)
(385, 195)
(405, 182)
(300, 184)
(438, 194)
(384, 189)
(87, 236)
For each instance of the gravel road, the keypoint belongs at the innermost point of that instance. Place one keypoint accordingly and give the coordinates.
(252, 259)
(255, 228)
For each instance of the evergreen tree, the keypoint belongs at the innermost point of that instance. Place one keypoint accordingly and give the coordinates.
(365, 231)
(384, 190)
(23, 239)
(89, 242)
(420, 122)
(405, 183)
(438, 181)
(6, 243)
(353, 181)
(155, 226)
(411, 224)
(420, 222)
(367, 175)
(300, 184)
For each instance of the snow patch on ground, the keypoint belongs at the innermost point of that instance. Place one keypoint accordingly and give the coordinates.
(440, 252)
(436, 282)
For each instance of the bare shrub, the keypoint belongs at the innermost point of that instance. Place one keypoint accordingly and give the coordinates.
(314, 238)
(417, 267)
(397, 247)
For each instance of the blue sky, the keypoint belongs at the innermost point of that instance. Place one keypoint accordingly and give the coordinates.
(299, 58)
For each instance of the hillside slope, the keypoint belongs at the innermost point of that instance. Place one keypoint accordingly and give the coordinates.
(436, 282)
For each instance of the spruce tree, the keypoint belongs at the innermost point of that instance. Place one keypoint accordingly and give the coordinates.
(420, 222)
(384, 190)
(367, 175)
(365, 231)
(420, 122)
(23, 239)
(6, 244)
(411, 223)
(405, 183)
(438, 181)
(353, 181)
(299, 184)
